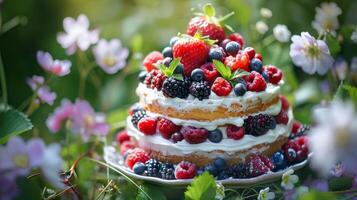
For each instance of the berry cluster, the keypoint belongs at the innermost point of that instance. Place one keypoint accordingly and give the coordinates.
(198, 52)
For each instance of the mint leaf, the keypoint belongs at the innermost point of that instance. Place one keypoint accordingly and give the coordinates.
(352, 92)
(174, 64)
(203, 187)
(12, 122)
(223, 69)
(177, 76)
(239, 73)
(209, 10)
(169, 71)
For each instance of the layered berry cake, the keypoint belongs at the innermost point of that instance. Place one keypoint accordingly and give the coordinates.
(208, 103)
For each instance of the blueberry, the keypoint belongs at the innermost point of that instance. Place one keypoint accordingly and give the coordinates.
(291, 155)
(256, 65)
(220, 163)
(278, 160)
(200, 170)
(223, 175)
(167, 52)
(215, 136)
(179, 69)
(265, 76)
(142, 76)
(215, 54)
(173, 40)
(197, 75)
(240, 89)
(167, 61)
(139, 168)
(211, 169)
(232, 48)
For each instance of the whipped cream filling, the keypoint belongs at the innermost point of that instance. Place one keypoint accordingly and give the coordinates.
(212, 125)
(158, 143)
(149, 96)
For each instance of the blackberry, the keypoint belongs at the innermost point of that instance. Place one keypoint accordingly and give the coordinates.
(259, 124)
(138, 115)
(157, 81)
(153, 168)
(176, 88)
(167, 171)
(224, 175)
(239, 171)
(200, 90)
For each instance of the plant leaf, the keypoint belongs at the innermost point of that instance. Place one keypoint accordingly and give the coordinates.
(239, 73)
(229, 28)
(223, 69)
(352, 92)
(13, 122)
(174, 63)
(209, 10)
(221, 19)
(178, 77)
(333, 44)
(203, 187)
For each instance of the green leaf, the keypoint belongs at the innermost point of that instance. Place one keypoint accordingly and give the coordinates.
(178, 77)
(174, 64)
(229, 28)
(333, 44)
(314, 195)
(203, 187)
(352, 92)
(221, 19)
(223, 69)
(13, 122)
(153, 191)
(340, 183)
(239, 73)
(209, 10)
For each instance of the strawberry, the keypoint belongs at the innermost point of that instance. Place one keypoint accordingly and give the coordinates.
(151, 59)
(208, 24)
(193, 52)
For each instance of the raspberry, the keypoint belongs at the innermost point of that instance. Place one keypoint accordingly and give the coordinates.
(167, 171)
(127, 145)
(258, 165)
(167, 128)
(235, 132)
(201, 90)
(274, 73)
(284, 103)
(185, 170)
(258, 56)
(296, 127)
(157, 81)
(176, 88)
(291, 144)
(282, 118)
(303, 140)
(122, 136)
(221, 87)
(138, 115)
(210, 72)
(240, 61)
(237, 38)
(255, 82)
(259, 124)
(302, 131)
(147, 125)
(150, 76)
(250, 51)
(153, 168)
(151, 59)
(138, 155)
(194, 135)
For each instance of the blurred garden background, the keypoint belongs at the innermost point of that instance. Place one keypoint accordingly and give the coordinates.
(144, 26)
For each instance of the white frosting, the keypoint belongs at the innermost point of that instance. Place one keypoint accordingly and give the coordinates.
(158, 143)
(150, 96)
(211, 125)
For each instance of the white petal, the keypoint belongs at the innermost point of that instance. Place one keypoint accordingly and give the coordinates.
(83, 21)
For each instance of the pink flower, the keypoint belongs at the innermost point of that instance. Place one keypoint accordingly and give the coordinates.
(77, 34)
(43, 92)
(56, 67)
(61, 114)
(84, 120)
(110, 55)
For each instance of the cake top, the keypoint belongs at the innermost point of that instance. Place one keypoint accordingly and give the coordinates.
(207, 62)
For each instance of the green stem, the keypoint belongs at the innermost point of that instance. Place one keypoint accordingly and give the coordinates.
(3, 82)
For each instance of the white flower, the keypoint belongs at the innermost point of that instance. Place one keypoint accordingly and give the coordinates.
(56, 67)
(77, 34)
(326, 17)
(334, 137)
(110, 55)
(354, 36)
(264, 194)
(310, 54)
(266, 13)
(340, 68)
(261, 27)
(281, 33)
(289, 179)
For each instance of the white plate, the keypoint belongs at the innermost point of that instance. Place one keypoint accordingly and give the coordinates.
(114, 159)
